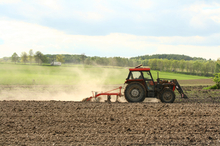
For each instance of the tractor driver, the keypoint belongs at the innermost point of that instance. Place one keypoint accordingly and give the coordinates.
(149, 86)
(147, 78)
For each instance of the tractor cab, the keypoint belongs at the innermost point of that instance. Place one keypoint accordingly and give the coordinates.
(144, 77)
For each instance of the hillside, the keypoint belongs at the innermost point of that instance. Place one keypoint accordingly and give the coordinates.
(168, 56)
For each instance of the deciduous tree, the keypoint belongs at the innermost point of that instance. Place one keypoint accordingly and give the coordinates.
(24, 57)
(60, 58)
(14, 58)
(205, 68)
(160, 64)
(38, 57)
(153, 63)
(182, 65)
(212, 66)
(217, 67)
(191, 69)
(88, 61)
(31, 55)
(196, 66)
(167, 64)
(175, 64)
(83, 57)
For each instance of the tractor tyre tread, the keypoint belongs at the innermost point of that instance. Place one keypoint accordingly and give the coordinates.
(140, 88)
(170, 92)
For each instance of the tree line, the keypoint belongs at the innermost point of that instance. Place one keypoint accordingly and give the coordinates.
(206, 68)
(189, 65)
(40, 58)
(168, 56)
(37, 57)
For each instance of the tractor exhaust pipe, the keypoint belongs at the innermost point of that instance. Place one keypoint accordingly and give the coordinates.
(158, 79)
(138, 66)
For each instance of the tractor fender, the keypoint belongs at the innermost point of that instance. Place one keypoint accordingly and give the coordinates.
(166, 88)
(136, 83)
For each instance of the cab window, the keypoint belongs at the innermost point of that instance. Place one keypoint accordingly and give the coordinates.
(146, 75)
(135, 75)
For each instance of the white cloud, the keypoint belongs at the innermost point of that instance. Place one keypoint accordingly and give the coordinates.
(104, 8)
(89, 15)
(139, 17)
(52, 4)
(20, 36)
(9, 1)
(201, 13)
(143, 4)
(216, 18)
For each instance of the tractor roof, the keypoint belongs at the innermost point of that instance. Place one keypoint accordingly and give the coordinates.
(139, 69)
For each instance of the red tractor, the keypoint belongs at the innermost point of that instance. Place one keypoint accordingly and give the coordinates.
(140, 85)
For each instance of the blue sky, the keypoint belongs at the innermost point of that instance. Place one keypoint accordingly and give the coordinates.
(1, 41)
(110, 28)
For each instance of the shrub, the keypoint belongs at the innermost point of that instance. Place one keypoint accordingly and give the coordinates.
(216, 79)
(211, 87)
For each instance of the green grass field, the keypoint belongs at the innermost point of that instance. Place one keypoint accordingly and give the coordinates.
(18, 74)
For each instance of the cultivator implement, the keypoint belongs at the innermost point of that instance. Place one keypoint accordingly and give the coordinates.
(96, 95)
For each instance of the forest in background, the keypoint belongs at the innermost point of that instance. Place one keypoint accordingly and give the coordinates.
(163, 62)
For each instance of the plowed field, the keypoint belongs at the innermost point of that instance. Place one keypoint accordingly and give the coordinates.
(185, 122)
(197, 82)
(62, 123)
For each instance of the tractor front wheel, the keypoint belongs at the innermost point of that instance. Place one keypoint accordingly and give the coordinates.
(134, 92)
(167, 96)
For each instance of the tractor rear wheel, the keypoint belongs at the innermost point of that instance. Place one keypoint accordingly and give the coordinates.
(135, 92)
(167, 96)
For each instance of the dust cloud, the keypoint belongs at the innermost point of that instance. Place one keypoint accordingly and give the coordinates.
(79, 87)
(57, 93)
(82, 88)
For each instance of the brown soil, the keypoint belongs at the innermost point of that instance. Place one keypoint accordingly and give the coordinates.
(185, 122)
(197, 94)
(76, 123)
(197, 82)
